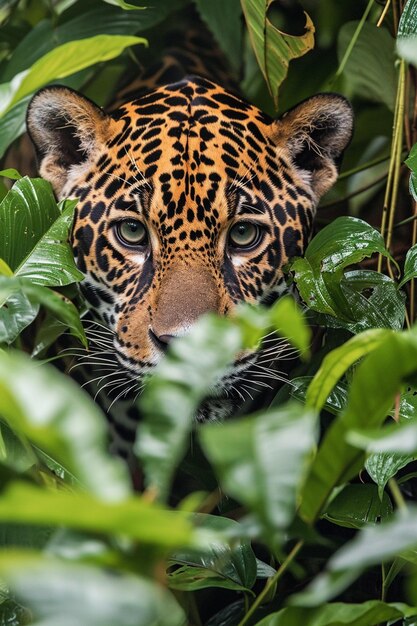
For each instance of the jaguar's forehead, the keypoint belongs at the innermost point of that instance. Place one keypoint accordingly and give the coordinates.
(186, 131)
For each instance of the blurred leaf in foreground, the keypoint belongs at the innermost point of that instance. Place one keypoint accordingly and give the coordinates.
(189, 373)
(49, 409)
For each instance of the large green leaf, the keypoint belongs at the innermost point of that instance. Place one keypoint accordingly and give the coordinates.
(370, 70)
(220, 565)
(53, 413)
(358, 505)
(273, 48)
(338, 361)
(15, 315)
(133, 517)
(51, 261)
(392, 447)
(19, 297)
(26, 213)
(13, 124)
(261, 461)
(191, 367)
(374, 301)
(368, 613)
(407, 33)
(371, 546)
(64, 594)
(82, 21)
(318, 275)
(63, 61)
(371, 397)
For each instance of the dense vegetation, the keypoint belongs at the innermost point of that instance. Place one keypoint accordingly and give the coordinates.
(314, 521)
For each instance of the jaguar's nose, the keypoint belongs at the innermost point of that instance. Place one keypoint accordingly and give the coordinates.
(161, 341)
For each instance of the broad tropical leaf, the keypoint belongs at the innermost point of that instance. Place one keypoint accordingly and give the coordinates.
(273, 48)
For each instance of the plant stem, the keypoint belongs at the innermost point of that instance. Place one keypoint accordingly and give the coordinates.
(383, 576)
(364, 166)
(397, 495)
(383, 14)
(354, 193)
(398, 150)
(412, 285)
(353, 41)
(272, 581)
(389, 190)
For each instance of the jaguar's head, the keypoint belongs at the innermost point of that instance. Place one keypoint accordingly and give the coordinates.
(189, 200)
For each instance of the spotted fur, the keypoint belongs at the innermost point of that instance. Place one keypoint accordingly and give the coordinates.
(189, 160)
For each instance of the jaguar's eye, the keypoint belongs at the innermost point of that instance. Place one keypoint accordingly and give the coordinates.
(244, 235)
(132, 233)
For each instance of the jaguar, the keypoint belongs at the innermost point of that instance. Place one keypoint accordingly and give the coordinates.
(190, 200)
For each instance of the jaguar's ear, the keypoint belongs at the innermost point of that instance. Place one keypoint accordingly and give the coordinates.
(316, 133)
(68, 131)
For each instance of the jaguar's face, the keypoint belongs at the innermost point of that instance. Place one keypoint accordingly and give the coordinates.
(190, 200)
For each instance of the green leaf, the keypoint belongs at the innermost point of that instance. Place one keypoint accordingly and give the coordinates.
(370, 70)
(274, 49)
(14, 453)
(407, 33)
(394, 446)
(15, 315)
(261, 461)
(83, 21)
(336, 401)
(411, 162)
(18, 296)
(125, 5)
(26, 213)
(373, 389)
(289, 322)
(192, 366)
(318, 275)
(263, 570)
(381, 467)
(12, 125)
(220, 565)
(11, 173)
(374, 300)
(51, 261)
(358, 505)
(368, 613)
(62, 593)
(133, 517)
(338, 361)
(284, 318)
(410, 265)
(49, 409)
(371, 546)
(345, 241)
(65, 60)
(224, 20)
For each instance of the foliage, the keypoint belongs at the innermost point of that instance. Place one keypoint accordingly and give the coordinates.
(299, 511)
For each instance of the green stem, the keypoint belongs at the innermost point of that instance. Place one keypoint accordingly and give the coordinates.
(354, 193)
(413, 218)
(272, 581)
(354, 39)
(364, 166)
(397, 495)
